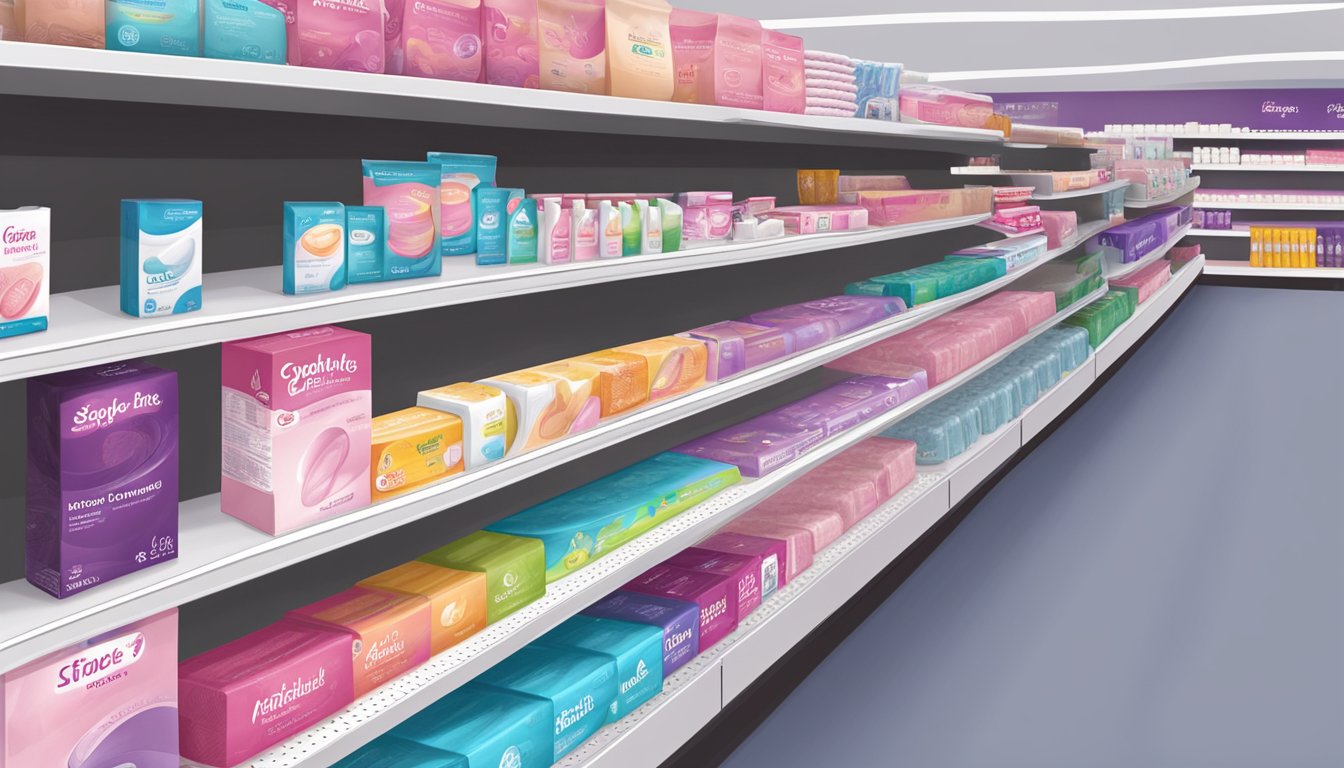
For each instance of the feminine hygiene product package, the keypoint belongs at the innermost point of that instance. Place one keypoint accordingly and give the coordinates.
(25, 270)
(296, 409)
(514, 568)
(160, 257)
(102, 474)
(409, 194)
(715, 594)
(636, 647)
(482, 726)
(391, 631)
(346, 35)
(678, 620)
(456, 598)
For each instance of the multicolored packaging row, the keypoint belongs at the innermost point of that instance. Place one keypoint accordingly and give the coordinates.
(1325, 198)
(599, 666)
(1320, 245)
(956, 273)
(1103, 316)
(1136, 239)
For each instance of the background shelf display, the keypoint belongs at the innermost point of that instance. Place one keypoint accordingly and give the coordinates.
(1273, 168)
(1096, 190)
(1166, 199)
(1125, 269)
(1242, 206)
(1243, 269)
(1219, 232)
(87, 326)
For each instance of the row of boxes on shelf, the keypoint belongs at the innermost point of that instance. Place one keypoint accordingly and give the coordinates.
(1137, 239)
(855, 201)
(1150, 179)
(596, 668)
(1314, 197)
(1318, 245)
(1234, 156)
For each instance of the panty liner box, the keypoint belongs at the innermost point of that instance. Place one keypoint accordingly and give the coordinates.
(679, 621)
(743, 569)
(637, 648)
(391, 631)
(514, 568)
(456, 598)
(773, 554)
(798, 544)
(715, 594)
(487, 726)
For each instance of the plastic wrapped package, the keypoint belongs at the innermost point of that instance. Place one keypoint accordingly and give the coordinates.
(940, 432)
(1060, 226)
(1014, 251)
(1103, 316)
(816, 322)
(853, 498)
(890, 464)
(797, 540)
(932, 104)
(909, 206)
(1069, 279)
(822, 524)
(757, 446)
(1147, 280)
(735, 346)
(926, 283)
(851, 402)
(1129, 242)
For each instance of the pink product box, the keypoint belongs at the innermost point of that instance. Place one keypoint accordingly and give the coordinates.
(823, 524)
(872, 183)
(296, 409)
(849, 403)
(736, 346)
(1026, 218)
(1146, 280)
(892, 207)
(715, 594)
(854, 497)
(108, 701)
(567, 199)
(1325, 157)
(890, 462)
(1012, 197)
(391, 631)
(262, 688)
(810, 219)
(797, 541)
(742, 570)
(782, 78)
(706, 215)
(773, 554)
(1183, 253)
(1060, 226)
(753, 206)
(944, 106)
(626, 197)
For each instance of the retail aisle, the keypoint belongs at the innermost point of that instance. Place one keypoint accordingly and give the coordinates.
(1161, 583)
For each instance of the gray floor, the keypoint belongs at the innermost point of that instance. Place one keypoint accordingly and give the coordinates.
(1161, 583)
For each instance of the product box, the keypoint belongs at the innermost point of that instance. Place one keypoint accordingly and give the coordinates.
(714, 594)
(488, 424)
(679, 621)
(849, 403)
(891, 463)
(438, 39)
(314, 247)
(102, 474)
(390, 751)
(349, 36)
(261, 689)
(782, 72)
(811, 219)
(549, 402)
(623, 380)
(816, 322)
(391, 631)
(160, 257)
(756, 446)
(409, 195)
(705, 215)
(459, 179)
(108, 701)
(743, 570)
(366, 233)
(1060, 227)
(487, 726)
(636, 647)
(734, 346)
(25, 268)
(413, 447)
(1130, 241)
(910, 206)
(580, 686)
(798, 545)
(936, 105)
(772, 553)
(824, 525)
(457, 599)
(590, 521)
(676, 365)
(296, 412)
(243, 30)
(1015, 252)
(168, 27)
(514, 568)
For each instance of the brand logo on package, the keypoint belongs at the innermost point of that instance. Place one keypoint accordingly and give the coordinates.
(288, 694)
(97, 666)
(97, 414)
(677, 639)
(512, 758)
(574, 714)
(641, 672)
(1336, 109)
(301, 377)
(17, 235)
(1282, 110)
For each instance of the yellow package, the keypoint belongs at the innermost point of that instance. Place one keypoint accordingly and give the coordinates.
(549, 402)
(676, 365)
(624, 380)
(487, 429)
(457, 599)
(412, 447)
(1257, 244)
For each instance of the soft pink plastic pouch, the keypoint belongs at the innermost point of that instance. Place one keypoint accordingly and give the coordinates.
(737, 62)
(693, 55)
(435, 38)
(340, 34)
(511, 55)
(782, 72)
(573, 45)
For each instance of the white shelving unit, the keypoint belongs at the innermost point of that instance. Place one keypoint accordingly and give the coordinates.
(1219, 232)
(379, 711)
(1273, 168)
(1096, 190)
(1242, 206)
(1264, 136)
(1164, 199)
(698, 691)
(1243, 269)
(1157, 253)
(87, 327)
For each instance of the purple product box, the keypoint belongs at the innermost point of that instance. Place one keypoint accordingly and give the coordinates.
(1131, 241)
(774, 555)
(713, 593)
(744, 570)
(102, 475)
(679, 620)
(735, 346)
(851, 402)
(817, 322)
(757, 446)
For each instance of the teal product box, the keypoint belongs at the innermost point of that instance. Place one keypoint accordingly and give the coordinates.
(637, 648)
(314, 247)
(409, 196)
(161, 257)
(393, 752)
(460, 177)
(493, 207)
(580, 686)
(365, 230)
(590, 521)
(522, 248)
(154, 26)
(242, 30)
(487, 726)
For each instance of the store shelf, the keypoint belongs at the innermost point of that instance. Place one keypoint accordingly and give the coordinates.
(218, 552)
(1146, 316)
(78, 73)
(976, 170)
(1241, 206)
(654, 732)
(1096, 190)
(1165, 199)
(1272, 168)
(88, 328)
(1263, 136)
(1244, 269)
(1219, 232)
(1112, 273)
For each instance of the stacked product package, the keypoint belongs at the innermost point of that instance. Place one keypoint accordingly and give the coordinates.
(546, 699)
(958, 272)
(1146, 280)
(1134, 240)
(1103, 316)
(830, 84)
(1292, 245)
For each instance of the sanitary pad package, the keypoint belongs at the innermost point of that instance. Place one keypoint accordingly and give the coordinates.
(456, 598)
(262, 688)
(102, 474)
(296, 410)
(314, 247)
(799, 547)
(586, 523)
(737, 62)
(410, 197)
(772, 554)
(243, 30)
(678, 620)
(743, 570)
(154, 26)
(782, 78)
(514, 568)
(693, 56)
(1146, 280)
(459, 178)
(339, 34)
(160, 257)
(714, 593)
(573, 44)
(108, 701)
(549, 402)
(817, 322)
(366, 237)
(676, 365)
(622, 382)
(756, 446)
(25, 269)
(413, 447)
(580, 686)
(393, 752)
(486, 727)
(823, 524)
(488, 422)
(78, 23)
(511, 47)
(391, 631)
(639, 50)
(435, 38)
(735, 346)
(636, 647)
